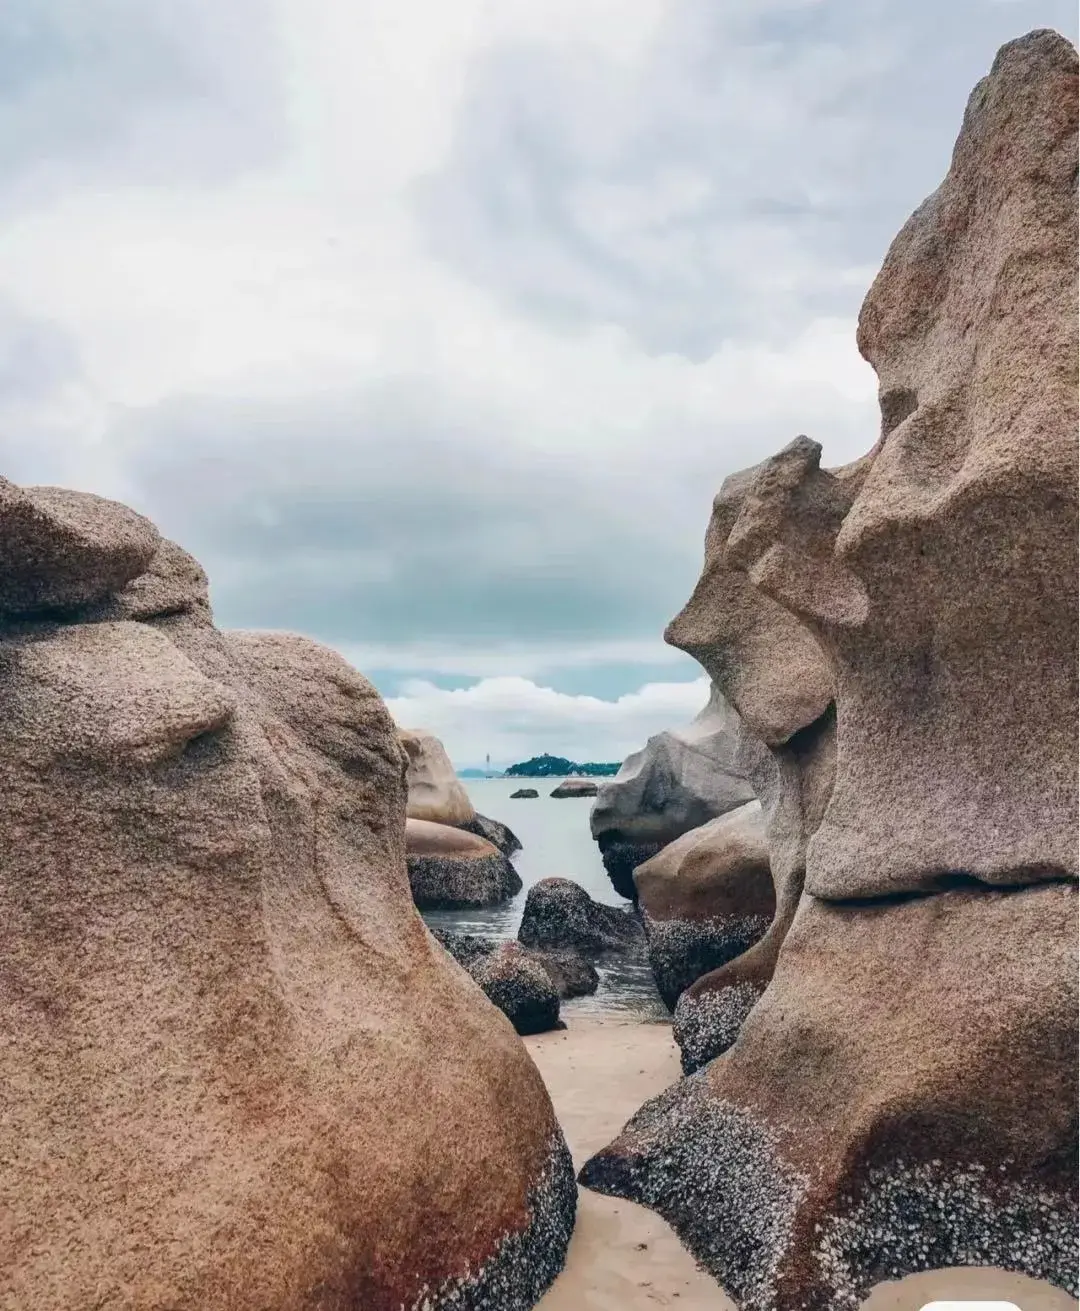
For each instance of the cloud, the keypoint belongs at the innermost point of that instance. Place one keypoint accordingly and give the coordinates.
(512, 719)
(431, 329)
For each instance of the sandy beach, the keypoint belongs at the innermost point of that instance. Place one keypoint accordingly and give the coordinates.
(624, 1257)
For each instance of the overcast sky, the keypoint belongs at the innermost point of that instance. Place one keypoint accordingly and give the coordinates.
(432, 326)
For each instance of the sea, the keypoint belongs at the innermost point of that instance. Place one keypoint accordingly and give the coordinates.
(556, 842)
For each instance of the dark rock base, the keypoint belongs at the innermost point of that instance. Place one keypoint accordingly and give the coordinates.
(681, 951)
(528, 1260)
(522, 984)
(560, 913)
(620, 861)
(442, 883)
(498, 834)
(707, 1023)
(777, 1240)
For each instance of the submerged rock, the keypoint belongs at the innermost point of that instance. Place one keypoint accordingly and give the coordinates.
(575, 787)
(706, 898)
(452, 869)
(873, 1115)
(219, 1000)
(524, 794)
(560, 913)
(678, 781)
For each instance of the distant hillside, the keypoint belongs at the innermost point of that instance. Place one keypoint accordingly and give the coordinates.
(558, 766)
(479, 773)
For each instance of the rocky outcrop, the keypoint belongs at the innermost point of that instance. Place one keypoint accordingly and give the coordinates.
(526, 794)
(864, 1126)
(436, 794)
(794, 781)
(218, 1001)
(873, 1117)
(575, 787)
(495, 832)
(678, 781)
(452, 869)
(62, 550)
(515, 980)
(705, 898)
(570, 973)
(560, 914)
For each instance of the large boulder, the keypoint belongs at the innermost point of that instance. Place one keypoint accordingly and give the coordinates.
(560, 913)
(436, 793)
(678, 781)
(875, 1114)
(237, 1070)
(452, 869)
(706, 898)
(874, 1117)
(60, 550)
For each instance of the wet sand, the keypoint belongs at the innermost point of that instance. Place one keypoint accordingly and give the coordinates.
(624, 1257)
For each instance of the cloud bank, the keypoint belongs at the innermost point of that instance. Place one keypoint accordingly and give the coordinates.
(432, 329)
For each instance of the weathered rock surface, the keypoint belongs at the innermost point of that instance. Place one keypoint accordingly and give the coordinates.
(873, 1116)
(575, 787)
(61, 549)
(524, 794)
(436, 794)
(560, 913)
(452, 869)
(511, 977)
(869, 1120)
(218, 1001)
(706, 898)
(678, 781)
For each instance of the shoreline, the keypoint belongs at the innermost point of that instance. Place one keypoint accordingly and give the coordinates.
(623, 1257)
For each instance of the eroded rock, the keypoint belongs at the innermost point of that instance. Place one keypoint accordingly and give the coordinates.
(218, 1000)
(873, 1115)
(678, 781)
(706, 898)
(436, 794)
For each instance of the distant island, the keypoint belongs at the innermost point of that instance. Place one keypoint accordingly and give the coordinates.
(558, 767)
(480, 773)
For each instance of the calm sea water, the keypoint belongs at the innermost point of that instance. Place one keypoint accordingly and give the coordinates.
(556, 841)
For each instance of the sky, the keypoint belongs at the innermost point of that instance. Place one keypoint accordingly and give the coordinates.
(432, 328)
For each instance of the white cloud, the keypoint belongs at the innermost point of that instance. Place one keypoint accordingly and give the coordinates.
(513, 719)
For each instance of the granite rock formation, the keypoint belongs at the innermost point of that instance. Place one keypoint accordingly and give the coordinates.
(218, 1001)
(678, 781)
(436, 794)
(705, 898)
(453, 869)
(559, 913)
(874, 1116)
(524, 794)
